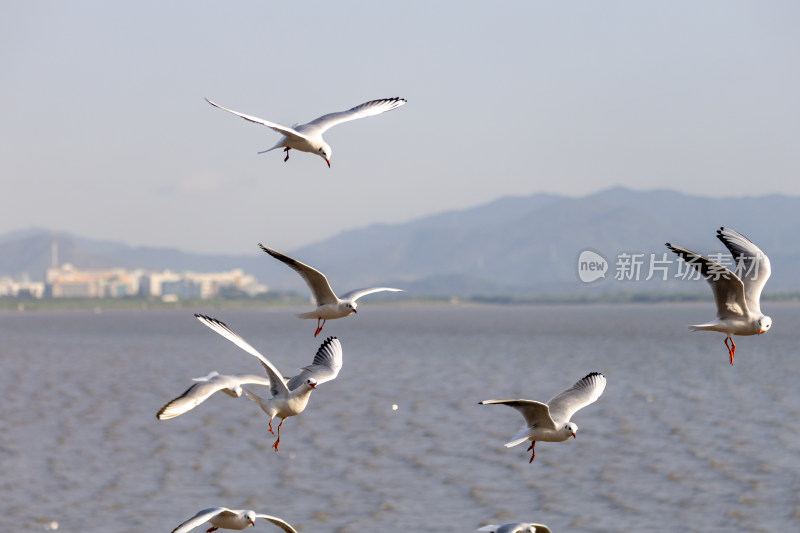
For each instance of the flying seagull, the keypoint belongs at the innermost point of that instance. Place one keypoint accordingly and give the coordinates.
(549, 421)
(308, 137)
(289, 397)
(222, 518)
(206, 386)
(517, 528)
(329, 306)
(737, 298)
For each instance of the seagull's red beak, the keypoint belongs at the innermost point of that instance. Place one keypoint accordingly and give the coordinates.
(355, 311)
(313, 385)
(329, 162)
(760, 331)
(573, 435)
(252, 522)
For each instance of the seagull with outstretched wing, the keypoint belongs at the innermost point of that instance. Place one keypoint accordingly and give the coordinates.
(550, 422)
(205, 388)
(288, 398)
(738, 298)
(224, 518)
(329, 306)
(308, 137)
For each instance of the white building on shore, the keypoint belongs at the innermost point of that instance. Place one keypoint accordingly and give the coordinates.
(21, 289)
(68, 281)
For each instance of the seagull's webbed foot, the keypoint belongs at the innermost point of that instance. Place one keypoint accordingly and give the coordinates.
(212, 528)
(731, 347)
(533, 452)
(287, 154)
(277, 443)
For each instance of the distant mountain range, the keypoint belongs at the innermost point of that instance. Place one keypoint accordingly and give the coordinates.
(523, 246)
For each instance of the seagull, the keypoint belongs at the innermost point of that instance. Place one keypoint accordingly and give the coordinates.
(206, 386)
(289, 397)
(222, 518)
(329, 306)
(517, 528)
(308, 137)
(549, 421)
(737, 298)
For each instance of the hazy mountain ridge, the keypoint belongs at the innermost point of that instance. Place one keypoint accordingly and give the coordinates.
(515, 245)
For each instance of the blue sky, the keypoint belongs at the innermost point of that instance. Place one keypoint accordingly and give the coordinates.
(105, 132)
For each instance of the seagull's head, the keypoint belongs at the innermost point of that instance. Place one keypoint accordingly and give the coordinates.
(236, 391)
(325, 152)
(251, 517)
(351, 307)
(764, 323)
(571, 428)
(312, 383)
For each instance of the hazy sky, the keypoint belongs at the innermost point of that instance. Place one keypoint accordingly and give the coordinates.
(105, 132)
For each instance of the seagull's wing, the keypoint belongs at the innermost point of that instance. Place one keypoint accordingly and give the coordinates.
(203, 516)
(278, 522)
(325, 366)
(250, 379)
(289, 132)
(727, 288)
(194, 396)
(515, 528)
(210, 376)
(583, 393)
(358, 293)
(277, 384)
(752, 264)
(535, 413)
(316, 280)
(368, 109)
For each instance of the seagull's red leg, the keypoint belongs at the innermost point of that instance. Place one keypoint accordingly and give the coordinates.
(287, 154)
(278, 442)
(270, 427)
(212, 528)
(731, 347)
(533, 452)
(319, 328)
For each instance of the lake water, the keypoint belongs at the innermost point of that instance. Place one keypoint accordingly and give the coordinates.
(680, 440)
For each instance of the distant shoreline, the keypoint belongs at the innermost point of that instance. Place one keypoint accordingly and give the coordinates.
(290, 300)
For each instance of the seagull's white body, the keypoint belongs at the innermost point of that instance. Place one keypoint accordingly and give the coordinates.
(521, 527)
(289, 398)
(207, 386)
(308, 137)
(329, 306)
(550, 422)
(223, 518)
(738, 299)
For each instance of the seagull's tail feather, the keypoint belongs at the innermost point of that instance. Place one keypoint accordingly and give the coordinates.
(253, 396)
(310, 314)
(519, 438)
(710, 326)
(278, 145)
